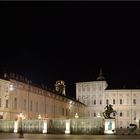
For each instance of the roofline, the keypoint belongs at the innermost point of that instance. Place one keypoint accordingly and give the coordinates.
(121, 89)
(90, 82)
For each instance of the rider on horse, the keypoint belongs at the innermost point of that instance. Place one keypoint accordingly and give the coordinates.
(108, 111)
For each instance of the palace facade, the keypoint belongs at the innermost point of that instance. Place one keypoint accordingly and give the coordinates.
(17, 95)
(96, 96)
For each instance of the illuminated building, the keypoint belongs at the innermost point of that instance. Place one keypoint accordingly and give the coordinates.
(96, 96)
(17, 94)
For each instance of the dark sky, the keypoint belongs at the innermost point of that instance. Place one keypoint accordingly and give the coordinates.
(47, 41)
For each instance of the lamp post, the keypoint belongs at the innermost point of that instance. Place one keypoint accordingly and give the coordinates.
(76, 117)
(21, 117)
(39, 118)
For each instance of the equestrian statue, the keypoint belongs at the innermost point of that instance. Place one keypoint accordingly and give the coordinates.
(108, 112)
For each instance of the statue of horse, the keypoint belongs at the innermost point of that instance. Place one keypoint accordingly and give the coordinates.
(108, 112)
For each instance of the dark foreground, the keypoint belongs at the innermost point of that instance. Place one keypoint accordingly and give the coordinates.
(8, 136)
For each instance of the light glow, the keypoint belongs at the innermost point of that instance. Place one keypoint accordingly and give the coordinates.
(76, 115)
(11, 87)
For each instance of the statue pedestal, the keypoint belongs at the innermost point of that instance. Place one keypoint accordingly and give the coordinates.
(110, 126)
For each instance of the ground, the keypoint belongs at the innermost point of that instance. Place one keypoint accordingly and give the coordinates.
(7, 136)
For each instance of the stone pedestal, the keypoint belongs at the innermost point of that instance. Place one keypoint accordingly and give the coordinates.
(67, 131)
(15, 126)
(110, 126)
(44, 126)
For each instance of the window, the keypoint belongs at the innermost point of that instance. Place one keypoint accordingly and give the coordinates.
(134, 101)
(0, 102)
(25, 104)
(134, 114)
(121, 123)
(88, 88)
(94, 102)
(6, 89)
(100, 102)
(66, 112)
(47, 108)
(113, 101)
(107, 101)
(127, 101)
(63, 112)
(36, 106)
(15, 103)
(93, 87)
(127, 113)
(6, 103)
(100, 88)
(83, 88)
(114, 114)
(120, 101)
(94, 114)
(31, 106)
(121, 114)
(79, 89)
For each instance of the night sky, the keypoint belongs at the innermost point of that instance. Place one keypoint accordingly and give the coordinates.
(48, 41)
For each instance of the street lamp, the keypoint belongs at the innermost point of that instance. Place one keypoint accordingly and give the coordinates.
(39, 117)
(21, 117)
(76, 115)
(39, 123)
